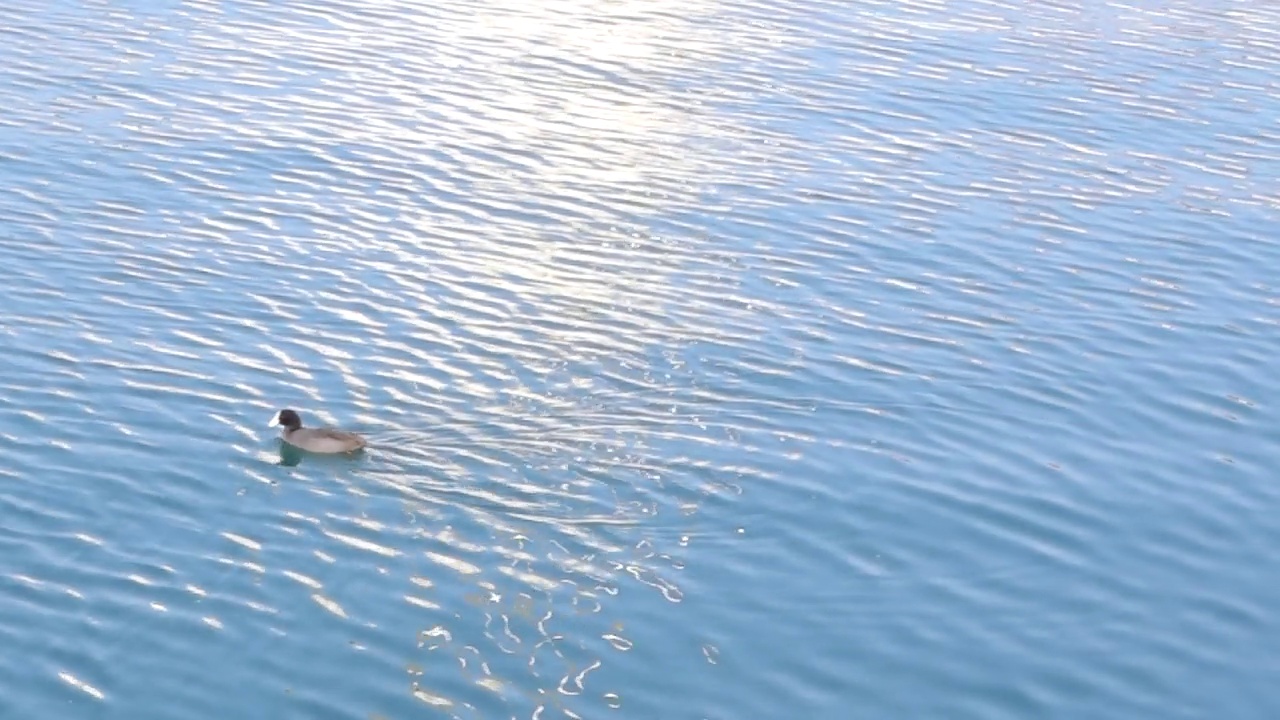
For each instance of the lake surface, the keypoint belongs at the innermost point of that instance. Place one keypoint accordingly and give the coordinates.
(720, 360)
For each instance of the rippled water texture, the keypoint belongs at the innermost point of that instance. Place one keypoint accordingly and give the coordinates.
(721, 360)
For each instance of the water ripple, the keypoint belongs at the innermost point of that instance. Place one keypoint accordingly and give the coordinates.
(799, 360)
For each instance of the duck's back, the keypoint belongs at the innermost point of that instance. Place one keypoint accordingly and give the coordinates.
(325, 440)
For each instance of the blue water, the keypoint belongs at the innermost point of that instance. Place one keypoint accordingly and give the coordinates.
(720, 360)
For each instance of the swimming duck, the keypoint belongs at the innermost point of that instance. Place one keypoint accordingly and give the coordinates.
(316, 440)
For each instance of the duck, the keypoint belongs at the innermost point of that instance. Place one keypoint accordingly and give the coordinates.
(316, 440)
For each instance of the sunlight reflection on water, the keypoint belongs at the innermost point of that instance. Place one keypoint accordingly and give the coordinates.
(719, 360)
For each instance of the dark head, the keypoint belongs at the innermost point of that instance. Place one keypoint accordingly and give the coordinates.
(288, 418)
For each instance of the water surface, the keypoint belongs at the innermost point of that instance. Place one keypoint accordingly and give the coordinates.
(721, 360)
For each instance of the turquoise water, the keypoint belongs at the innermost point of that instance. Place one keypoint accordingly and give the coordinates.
(823, 360)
